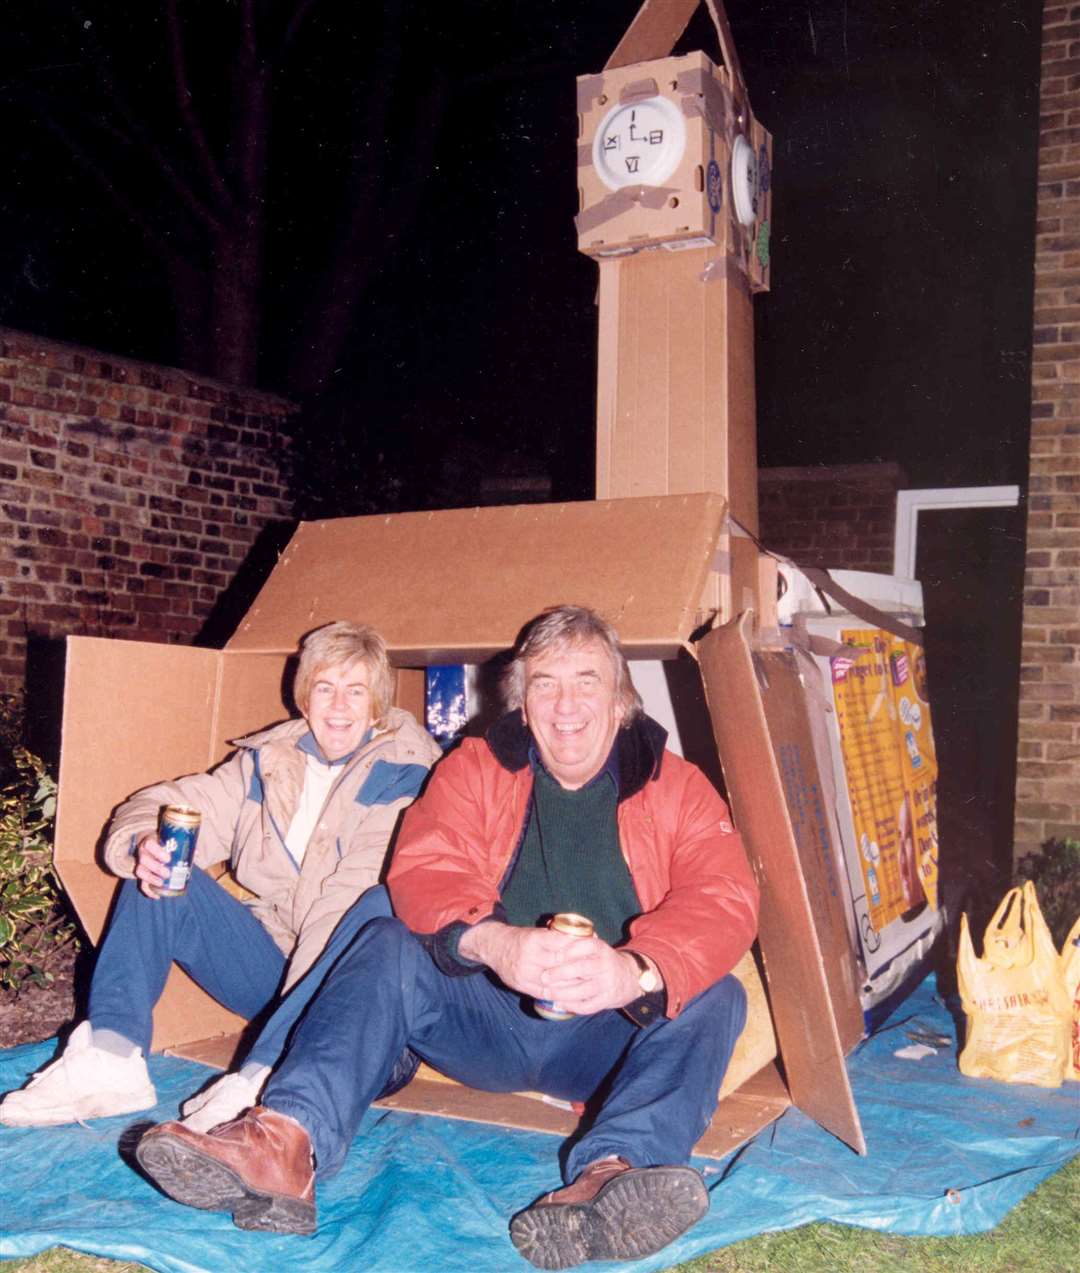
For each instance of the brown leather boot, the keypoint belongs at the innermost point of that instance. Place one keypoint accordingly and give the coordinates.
(612, 1211)
(258, 1166)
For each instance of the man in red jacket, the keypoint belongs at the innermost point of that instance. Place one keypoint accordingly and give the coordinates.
(570, 803)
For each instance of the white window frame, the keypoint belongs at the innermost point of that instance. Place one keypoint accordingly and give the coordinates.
(909, 504)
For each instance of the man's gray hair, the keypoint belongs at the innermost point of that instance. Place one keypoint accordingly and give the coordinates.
(562, 627)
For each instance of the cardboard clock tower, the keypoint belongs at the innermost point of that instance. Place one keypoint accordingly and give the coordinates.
(674, 181)
(674, 177)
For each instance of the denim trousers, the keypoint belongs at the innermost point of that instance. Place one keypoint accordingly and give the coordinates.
(220, 944)
(656, 1085)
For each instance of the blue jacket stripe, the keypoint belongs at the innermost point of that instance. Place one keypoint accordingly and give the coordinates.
(255, 790)
(389, 781)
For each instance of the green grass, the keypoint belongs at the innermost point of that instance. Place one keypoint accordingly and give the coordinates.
(1041, 1235)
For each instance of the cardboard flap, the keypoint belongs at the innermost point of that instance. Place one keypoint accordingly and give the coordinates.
(457, 586)
(134, 712)
(805, 1021)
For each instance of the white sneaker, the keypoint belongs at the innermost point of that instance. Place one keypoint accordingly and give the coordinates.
(226, 1098)
(83, 1082)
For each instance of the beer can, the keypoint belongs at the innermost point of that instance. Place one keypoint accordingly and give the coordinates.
(178, 833)
(574, 926)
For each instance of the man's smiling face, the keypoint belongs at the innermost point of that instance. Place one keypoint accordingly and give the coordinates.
(570, 706)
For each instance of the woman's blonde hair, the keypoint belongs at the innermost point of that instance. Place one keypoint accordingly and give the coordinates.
(338, 644)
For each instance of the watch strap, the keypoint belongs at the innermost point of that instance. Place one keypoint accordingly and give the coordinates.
(646, 972)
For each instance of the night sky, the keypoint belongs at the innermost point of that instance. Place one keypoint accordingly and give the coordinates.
(898, 327)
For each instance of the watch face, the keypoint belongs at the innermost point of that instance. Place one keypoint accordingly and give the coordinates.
(639, 143)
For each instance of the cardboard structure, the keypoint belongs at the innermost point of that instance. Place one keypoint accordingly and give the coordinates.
(875, 737)
(674, 180)
(458, 585)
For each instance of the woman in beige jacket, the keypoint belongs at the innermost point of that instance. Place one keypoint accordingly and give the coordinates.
(303, 813)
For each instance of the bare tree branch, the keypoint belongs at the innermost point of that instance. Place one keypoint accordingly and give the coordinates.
(298, 15)
(133, 121)
(144, 224)
(184, 103)
(247, 28)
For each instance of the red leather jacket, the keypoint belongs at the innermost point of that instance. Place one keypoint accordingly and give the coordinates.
(699, 899)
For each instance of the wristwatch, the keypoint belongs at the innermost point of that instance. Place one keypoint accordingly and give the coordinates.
(648, 977)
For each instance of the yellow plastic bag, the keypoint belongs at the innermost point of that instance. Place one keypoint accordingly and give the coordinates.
(1019, 1015)
(1070, 976)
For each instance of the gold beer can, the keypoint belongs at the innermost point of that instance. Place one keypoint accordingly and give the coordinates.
(574, 926)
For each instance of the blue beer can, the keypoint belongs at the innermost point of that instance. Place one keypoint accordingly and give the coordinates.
(178, 833)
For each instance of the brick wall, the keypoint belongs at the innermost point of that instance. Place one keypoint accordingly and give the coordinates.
(1048, 781)
(129, 494)
(843, 516)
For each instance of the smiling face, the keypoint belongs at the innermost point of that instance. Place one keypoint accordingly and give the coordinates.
(339, 707)
(571, 708)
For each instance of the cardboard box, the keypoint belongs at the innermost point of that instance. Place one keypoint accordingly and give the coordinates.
(457, 586)
(675, 410)
(876, 738)
(671, 156)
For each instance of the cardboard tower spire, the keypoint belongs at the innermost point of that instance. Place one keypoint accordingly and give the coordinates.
(674, 181)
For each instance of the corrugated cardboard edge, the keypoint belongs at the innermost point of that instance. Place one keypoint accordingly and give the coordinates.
(805, 1022)
(457, 585)
(757, 1102)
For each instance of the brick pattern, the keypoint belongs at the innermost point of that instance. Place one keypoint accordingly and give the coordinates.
(130, 494)
(1048, 769)
(842, 517)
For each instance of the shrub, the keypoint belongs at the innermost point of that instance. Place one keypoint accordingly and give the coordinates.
(1056, 872)
(35, 928)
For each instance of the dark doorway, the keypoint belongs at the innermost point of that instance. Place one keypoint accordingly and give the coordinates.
(970, 562)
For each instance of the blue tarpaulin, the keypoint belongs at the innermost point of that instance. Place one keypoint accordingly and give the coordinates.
(947, 1155)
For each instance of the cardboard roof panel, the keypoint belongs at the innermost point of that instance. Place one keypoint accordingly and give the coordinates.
(458, 585)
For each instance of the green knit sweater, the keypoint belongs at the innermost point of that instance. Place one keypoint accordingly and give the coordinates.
(570, 859)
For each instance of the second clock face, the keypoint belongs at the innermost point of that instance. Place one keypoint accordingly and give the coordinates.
(639, 143)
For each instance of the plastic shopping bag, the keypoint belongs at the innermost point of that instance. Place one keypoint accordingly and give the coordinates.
(1019, 1015)
(1070, 976)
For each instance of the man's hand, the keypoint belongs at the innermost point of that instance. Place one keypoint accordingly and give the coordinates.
(590, 977)
(151, 865)
(583, 974)
(518, 956)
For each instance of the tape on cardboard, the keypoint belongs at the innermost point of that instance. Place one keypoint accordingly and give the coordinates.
(589, 88)
(639, 89)
(706, 97)
(720, 267)
(622, 201)
(824, 582)
(810, 643)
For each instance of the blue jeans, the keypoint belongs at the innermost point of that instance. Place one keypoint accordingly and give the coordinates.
(385, 994)
(219, 943)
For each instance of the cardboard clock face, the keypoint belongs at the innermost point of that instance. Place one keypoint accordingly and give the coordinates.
(744, 181)
(670, 156)
(639, 143)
